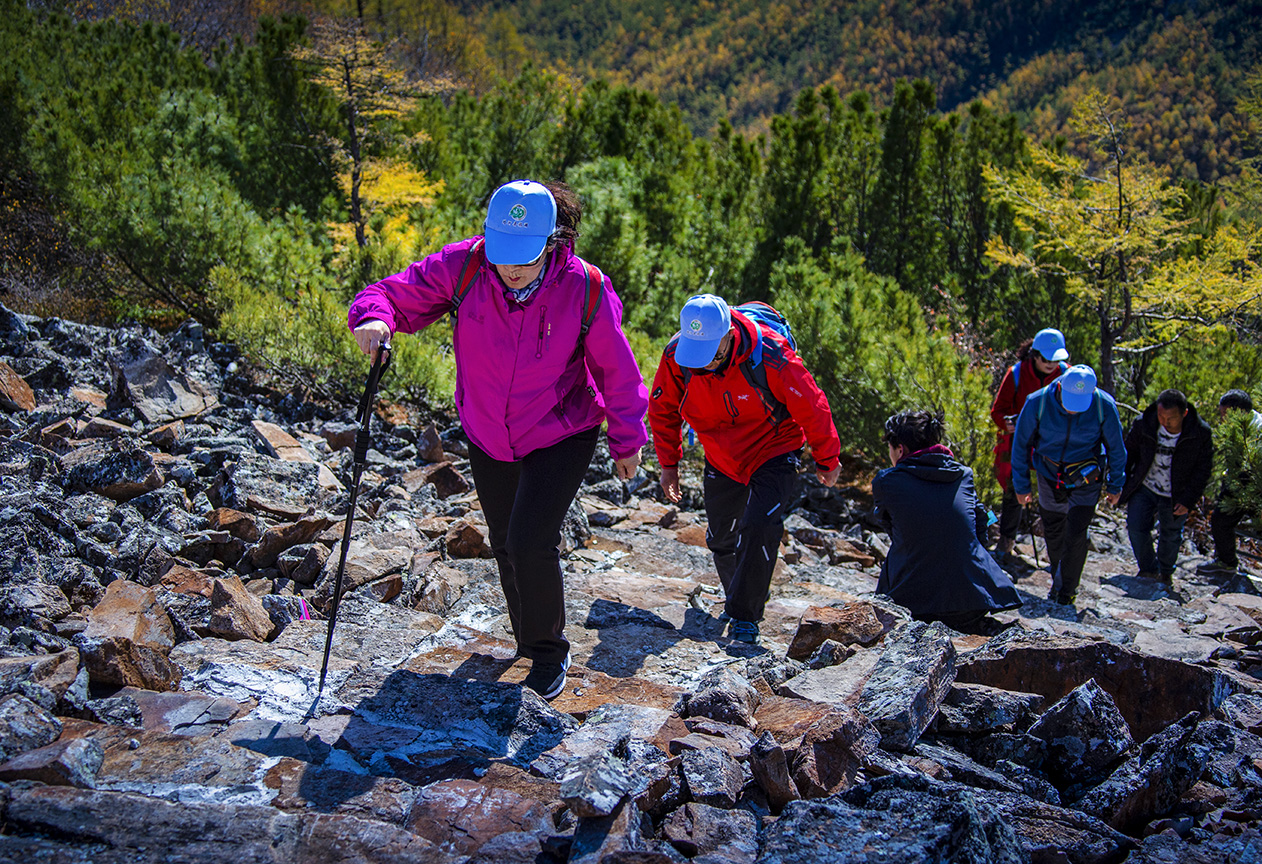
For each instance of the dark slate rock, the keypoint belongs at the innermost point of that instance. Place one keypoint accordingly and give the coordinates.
(140, 543)
(1169, 848)
(271, 482)
(32, 604)
(73, 762)
(1033, 783)
(773, 669)
(1086, 736)
(575, 529)
(769, 765)
(716, 835)
(1151, 692)
(965, 770)
(976, 708)
(595, 785)
(151, 504)
(905, 825)
(1231, 752)
(120, 469)
(87, 509)
(145, 381)
(713, 776)
(601, 839)
(121, 710)
(1243, 710)
(503, 721)
(607, 613)
(613, 490)
(724, 695)
(276, 738)
(1150, 784)
(914, 673)
(24, 726)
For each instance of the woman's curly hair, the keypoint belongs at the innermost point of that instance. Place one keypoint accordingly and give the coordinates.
(914, 430)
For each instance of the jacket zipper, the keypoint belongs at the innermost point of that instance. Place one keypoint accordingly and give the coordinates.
(543, 314)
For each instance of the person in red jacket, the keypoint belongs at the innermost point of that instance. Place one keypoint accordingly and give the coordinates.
(1039, 362)
(752, 434)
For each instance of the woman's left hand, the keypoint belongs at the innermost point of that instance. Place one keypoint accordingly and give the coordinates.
(626, 467)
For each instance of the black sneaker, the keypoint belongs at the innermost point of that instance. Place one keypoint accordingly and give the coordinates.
(547, 679)
(744, 631)
(1060, 598)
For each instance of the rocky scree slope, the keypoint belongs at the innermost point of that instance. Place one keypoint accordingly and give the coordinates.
(169, 530)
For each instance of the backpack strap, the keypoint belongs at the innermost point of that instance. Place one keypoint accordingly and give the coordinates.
(755, 373)
(472, 264)
(593, 287)
(755, 358)
(592, 298)
(1016, 378)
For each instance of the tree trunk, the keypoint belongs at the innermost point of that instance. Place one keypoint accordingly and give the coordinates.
(1105, 379)
(352, 145)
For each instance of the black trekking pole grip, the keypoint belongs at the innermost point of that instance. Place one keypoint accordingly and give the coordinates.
(362, 438)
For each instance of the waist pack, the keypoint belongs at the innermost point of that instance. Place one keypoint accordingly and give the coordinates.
(1075, 475)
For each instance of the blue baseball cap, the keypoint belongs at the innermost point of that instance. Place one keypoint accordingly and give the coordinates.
(1077, 388)
(1050, 343)
(703, 323)
(519, 220)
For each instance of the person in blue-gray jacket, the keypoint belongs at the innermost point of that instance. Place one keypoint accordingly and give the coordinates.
(1070, 433)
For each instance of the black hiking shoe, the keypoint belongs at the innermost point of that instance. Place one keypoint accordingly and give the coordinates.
(547, 679)
(745, 631)
(1061, 598)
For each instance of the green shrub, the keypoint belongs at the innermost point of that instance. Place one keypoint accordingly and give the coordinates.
(304, 337)
(868, 346)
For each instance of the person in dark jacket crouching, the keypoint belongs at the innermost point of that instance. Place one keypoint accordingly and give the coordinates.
(1169, 457)
(936, 566)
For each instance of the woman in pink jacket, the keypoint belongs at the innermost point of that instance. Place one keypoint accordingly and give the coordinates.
(541, 362)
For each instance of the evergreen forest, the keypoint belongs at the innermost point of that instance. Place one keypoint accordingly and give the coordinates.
(917, 187)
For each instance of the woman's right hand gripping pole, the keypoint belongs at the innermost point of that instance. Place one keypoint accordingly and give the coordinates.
(370, 335)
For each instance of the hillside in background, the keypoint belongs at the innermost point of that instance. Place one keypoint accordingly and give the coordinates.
(1179, 67)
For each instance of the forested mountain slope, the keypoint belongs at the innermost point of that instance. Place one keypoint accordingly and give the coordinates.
(1179, 66)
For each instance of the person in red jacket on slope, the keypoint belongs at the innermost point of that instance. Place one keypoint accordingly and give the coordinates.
(752, 424)
(1040, 361)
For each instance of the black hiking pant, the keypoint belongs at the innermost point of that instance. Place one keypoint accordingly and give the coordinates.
(524, 503)
(1065, 525)
(1009, 515)
(746, 522)
(1222, 527)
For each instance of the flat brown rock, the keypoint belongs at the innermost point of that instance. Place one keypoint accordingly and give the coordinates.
(132, 611)
(15, 393)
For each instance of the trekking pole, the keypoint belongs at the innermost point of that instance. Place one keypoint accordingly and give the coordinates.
(364, 417)
(1034, 543)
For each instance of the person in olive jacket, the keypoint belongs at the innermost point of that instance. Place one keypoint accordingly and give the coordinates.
(1169, 457)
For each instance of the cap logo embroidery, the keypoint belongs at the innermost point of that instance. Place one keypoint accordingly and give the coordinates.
(1080, 386)
(695, 325)
(518, 212)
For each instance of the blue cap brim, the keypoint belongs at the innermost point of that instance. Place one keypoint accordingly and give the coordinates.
(1058, 355)
(1076, 402)
(508, 249)
(696, 353)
